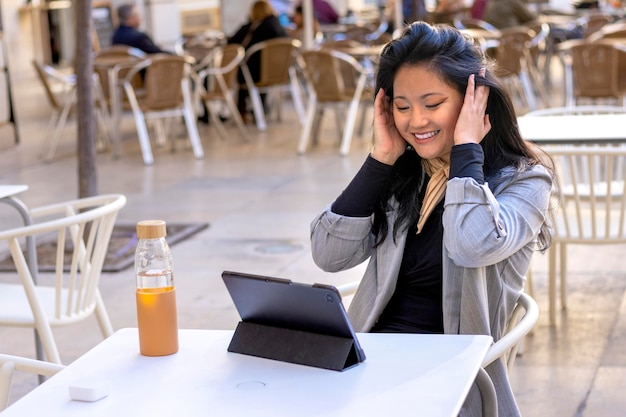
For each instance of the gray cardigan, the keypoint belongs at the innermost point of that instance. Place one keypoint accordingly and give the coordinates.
(489, 237)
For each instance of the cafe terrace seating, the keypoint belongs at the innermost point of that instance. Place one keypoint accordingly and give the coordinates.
(60, 91)
(592, 205)
(165, 93)
(78, 231)
(334, 79)
(278, 74)
(593, 72)
(215, 83)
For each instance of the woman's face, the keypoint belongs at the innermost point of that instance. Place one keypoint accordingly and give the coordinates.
(425, 111)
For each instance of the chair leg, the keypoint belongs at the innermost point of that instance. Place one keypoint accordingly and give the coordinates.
(70, 98)
(190, 121)
(305, 135)
(351, 120)
(103, 317)
(217, 123)
(563, 274)
(296, 95)
(234, 112)
(257, 107)
(552, 251)
(529, 93)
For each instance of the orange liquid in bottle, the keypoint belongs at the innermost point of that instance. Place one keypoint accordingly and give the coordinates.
(157, 322)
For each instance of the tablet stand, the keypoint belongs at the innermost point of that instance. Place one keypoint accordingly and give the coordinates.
(294, 346)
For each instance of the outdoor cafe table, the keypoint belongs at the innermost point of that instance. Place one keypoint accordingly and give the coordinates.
(574, 129)
(404, 374)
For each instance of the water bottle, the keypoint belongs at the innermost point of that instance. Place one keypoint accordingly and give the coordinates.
(156, 296)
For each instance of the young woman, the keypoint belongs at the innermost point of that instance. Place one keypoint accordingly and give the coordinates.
(448, 207)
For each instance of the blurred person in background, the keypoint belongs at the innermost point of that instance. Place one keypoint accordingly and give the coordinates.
(128, 33)
(263, 25)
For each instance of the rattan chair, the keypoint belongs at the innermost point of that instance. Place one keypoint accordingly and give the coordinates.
(215, 80)
(165, 94)
(334, 79)
(277, 75)
(592, 73)
(60, 90)
(78, 232)
(513, 58)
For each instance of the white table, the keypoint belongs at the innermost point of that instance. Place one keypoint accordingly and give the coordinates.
(426, 375)
(574, 129)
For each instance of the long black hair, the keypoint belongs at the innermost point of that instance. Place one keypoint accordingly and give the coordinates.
(454, 57)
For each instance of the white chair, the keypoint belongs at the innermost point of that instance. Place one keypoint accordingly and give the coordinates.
(10, 363)
(592, 205)
(60, 90)
(79, 232)
(334, 79)
(165, 93)
(277, 73)
(523, 319)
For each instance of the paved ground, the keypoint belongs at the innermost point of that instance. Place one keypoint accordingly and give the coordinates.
(259, 198)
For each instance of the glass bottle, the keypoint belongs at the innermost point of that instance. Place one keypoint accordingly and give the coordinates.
(156, 296)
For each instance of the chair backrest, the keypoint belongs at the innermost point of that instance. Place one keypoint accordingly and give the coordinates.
(162, 81)
(472, 24)
(333, 75)
(609, 31)
(594, 22)
(11, 363)
(222, 66)
(512, 48)
(591, 109)
(594, 70)
(78, 232)
(523, 319)
(592, 193)
(47, 75)
(113, 55)
(276, 57)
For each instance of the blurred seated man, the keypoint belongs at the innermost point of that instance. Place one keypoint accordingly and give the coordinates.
(127, 32)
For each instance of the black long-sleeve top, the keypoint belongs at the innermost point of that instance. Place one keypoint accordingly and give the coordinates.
(416, 306)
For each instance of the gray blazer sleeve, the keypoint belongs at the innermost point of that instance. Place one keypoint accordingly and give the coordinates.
(484, 227)
(339, 242)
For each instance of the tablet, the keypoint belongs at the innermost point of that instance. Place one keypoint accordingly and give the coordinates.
(282, 303)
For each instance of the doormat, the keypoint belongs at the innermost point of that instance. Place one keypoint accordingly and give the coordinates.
(121, 251)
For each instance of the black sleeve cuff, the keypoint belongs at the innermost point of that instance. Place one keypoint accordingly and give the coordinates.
(361, 195)
(467, 160)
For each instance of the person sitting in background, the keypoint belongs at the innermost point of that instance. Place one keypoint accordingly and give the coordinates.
(127, 32)
(508, 13)
(262, 26)
(297, 19)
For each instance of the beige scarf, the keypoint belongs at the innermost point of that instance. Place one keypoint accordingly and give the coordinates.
(438, 171)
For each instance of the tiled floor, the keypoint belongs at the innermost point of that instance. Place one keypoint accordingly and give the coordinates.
(259, 197)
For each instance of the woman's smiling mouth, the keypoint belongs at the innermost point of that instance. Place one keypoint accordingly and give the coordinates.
(424, 136)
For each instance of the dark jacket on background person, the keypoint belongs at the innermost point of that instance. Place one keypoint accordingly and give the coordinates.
(126, 35)
(251, 34)
(508, 13)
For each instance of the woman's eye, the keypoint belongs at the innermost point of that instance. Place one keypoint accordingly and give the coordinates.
(432, 106)
(402, 108)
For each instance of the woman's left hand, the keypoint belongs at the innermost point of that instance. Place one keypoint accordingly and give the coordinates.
(473, 124)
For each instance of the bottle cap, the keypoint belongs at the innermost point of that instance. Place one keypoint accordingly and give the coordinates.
(151, 229)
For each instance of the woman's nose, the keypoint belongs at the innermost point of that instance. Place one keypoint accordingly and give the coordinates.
(418, 118)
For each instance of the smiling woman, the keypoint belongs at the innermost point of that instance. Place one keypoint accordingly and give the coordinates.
(448, 207)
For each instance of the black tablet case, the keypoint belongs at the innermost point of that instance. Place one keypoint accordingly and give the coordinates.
(292, 322)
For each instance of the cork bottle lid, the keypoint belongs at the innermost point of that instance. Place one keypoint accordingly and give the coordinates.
(151, 229)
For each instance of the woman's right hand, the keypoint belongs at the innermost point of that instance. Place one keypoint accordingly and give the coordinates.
(388, 143)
